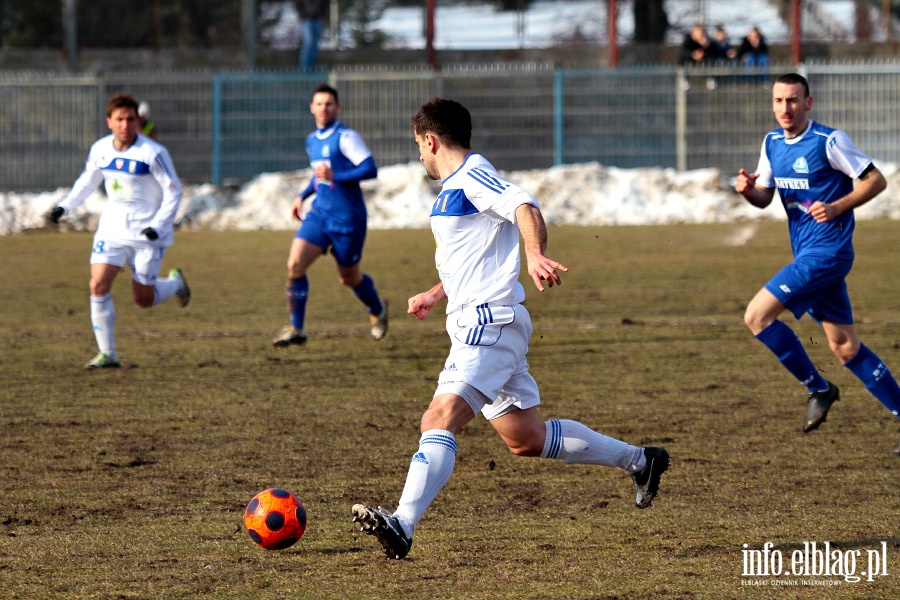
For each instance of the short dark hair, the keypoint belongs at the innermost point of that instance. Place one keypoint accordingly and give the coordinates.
(794, 79)
(324, 88)
(121, 101)
(447, 119)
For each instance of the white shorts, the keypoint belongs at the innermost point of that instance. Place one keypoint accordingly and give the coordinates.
(144, 261)
(487, 365)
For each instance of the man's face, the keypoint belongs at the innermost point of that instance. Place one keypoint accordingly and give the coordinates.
(324, 108)
(425, 144)
(123, 123)
(790, 105)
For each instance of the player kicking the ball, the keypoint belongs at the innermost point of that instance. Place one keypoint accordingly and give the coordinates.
(136, 226)
(476, 221)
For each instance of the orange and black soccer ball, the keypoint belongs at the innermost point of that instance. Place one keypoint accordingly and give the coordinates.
(275, 519)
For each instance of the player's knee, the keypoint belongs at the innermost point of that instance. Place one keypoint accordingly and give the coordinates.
(845, 351)
(294, 270)
(350, 282)
(750, 320)
(99, 288)
(754, 321)
(525, 447)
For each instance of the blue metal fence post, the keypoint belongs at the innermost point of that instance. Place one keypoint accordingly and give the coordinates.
(216, 129)
(558, 121)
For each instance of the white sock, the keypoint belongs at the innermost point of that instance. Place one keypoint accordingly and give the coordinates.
(429, 472)
(573, 442)
(103, 318)
(165, 289)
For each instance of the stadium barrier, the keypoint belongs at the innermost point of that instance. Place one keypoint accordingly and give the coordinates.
(229, 126)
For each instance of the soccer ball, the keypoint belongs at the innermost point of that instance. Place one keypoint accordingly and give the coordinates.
(275, 519)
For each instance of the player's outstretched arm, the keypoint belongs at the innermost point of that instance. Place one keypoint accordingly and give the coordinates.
(421, 304)
(534, 240)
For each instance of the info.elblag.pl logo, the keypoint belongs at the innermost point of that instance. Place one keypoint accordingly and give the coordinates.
(813, 564)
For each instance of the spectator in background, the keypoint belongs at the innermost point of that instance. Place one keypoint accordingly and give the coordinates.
(697, 47)
(145, 125)
(725, 51)
(754, 52)
(312, 15)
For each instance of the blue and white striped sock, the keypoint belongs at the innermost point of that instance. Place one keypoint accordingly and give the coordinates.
(572, 442)
(429, 471)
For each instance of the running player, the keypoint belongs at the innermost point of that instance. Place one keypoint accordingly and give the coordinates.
(813, 168)
(337, 219)
(476, 221)
(136, 226)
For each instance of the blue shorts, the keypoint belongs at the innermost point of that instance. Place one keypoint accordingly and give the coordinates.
(816, 286)
(345, 240)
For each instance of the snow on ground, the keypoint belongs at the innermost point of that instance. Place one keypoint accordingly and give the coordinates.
(584, 194)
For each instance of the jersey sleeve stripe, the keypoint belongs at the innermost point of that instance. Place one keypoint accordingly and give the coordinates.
(492, 183)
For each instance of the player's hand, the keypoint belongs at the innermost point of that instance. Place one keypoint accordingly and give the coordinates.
(745, 182)
(56, 214)
(542, 268)
(150, 234)
(420, 305)
(823, 212)
(324, 173)
(297, 208)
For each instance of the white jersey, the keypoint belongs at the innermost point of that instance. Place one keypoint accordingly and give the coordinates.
(474, 226)
(142, 187)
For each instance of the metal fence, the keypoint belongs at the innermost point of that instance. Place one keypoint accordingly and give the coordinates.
(222, 126)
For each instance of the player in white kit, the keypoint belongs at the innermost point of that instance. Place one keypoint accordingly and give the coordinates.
(477, 220)
(136, 226)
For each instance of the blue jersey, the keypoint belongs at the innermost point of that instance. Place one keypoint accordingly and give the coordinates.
(339, 201)
(817, 166)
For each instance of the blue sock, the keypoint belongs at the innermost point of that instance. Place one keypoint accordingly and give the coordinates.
(784, 343)
(872, 371)
(297, 291)
(366, 292)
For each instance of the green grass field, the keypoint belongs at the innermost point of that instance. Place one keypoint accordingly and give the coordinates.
(131, 483)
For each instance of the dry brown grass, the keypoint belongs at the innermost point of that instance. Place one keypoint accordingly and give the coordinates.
(131, 483)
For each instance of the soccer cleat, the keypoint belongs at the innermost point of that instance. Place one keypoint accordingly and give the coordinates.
(818, 405)
(384, 526)
(646, 482)
(103, 360)
(289, 335)
(380, 322)
(183, 295)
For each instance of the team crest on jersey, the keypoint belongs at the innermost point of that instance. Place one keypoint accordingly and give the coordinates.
(800, 165)
(119, 164)
(326, 151)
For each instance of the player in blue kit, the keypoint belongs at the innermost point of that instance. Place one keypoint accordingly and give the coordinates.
(813, 167)
(136, 227)
(476, 221)
(337, 219)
